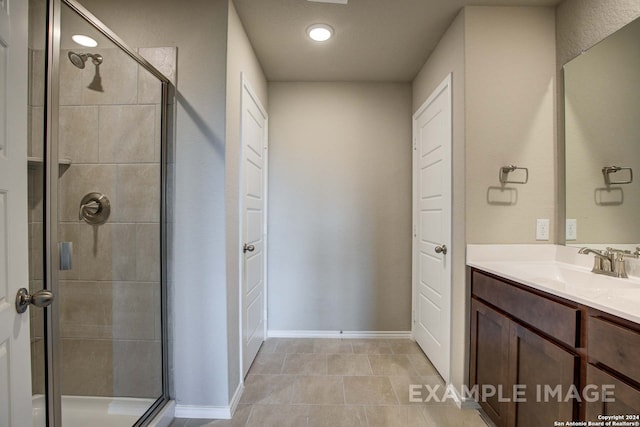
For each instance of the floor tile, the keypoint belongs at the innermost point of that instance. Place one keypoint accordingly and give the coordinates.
(329, 345)
(269, 345)
(267, 389)
(422, 364)
(396, 416)
(294, 345)
(369, 390)
(371, 346)
(348, 364)
(319, 390)
(423, 388)
(278, 416)
(391, 364)
(452, 416)
(290, 385)
(268, 363)
(305, 364)
(337, 416)
(404, 346)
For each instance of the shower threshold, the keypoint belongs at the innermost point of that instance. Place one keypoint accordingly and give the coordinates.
(101, 411)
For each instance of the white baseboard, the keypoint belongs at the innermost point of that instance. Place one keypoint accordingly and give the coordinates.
(203, 412)
(233, 405)
(339, 334)
(464, 402)
(211, 412)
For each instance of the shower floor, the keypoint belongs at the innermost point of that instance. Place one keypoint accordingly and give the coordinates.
(101, 411)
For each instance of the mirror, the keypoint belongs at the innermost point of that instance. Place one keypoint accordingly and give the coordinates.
(602, 142)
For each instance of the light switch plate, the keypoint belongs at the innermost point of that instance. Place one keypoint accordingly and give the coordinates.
(572, 229)
(542, 229)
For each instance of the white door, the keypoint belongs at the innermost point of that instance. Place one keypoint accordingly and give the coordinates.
(15, 365)
(253, 224)
(432, 227)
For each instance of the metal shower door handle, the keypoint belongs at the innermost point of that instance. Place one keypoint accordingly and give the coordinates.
(248, 248)
(41, 299)
(441, 249)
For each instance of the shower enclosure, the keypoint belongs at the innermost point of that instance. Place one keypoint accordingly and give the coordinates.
(98, 163)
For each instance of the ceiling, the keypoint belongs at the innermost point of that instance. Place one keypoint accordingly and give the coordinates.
(375, 40)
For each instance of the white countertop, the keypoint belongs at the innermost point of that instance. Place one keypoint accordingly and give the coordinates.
(560, 271)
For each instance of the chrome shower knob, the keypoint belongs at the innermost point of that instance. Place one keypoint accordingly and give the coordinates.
(95, 208)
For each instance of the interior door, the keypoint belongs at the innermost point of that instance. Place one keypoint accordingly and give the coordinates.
(432, 227)
(15, 367)
(254, 161)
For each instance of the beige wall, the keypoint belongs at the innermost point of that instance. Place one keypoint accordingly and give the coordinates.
(510, 119)
(340, 206)
(240, 60)
(580, 24)
(448, 57)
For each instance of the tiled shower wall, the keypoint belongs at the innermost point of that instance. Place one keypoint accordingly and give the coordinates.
(110, 299)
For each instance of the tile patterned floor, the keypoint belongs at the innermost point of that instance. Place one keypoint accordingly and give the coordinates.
(340, 383)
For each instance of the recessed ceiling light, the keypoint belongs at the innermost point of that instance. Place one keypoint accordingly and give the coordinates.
(83, 40)
(320, 32)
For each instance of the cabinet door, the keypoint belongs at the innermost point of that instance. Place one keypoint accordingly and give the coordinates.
(489, 358)
(626, 399)
(547, 373)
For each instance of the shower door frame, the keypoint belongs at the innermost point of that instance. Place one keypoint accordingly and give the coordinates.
(51, 252)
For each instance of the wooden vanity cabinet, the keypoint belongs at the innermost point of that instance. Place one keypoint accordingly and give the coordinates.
(627, 397)
(490, 335)
(507, 351)
(521, 336)
(613, 348)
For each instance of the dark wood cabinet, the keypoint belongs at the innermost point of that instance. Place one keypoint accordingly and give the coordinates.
(504, 354)
(625, 399)
(542, 368)
(490, 357)
(525, 337)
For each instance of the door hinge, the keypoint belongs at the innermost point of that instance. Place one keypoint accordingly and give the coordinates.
(415, 234)
(414, 315)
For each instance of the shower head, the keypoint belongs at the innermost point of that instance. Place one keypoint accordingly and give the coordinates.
(80, 59)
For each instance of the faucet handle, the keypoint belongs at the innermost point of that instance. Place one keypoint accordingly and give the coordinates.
(620, 253)
(623, 251)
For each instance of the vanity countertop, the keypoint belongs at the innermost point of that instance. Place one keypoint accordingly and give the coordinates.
(560, 271)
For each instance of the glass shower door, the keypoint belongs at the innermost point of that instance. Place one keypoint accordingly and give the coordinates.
(106, 142)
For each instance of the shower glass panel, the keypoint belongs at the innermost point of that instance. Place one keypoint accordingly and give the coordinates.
(97, 166)
(109, 202)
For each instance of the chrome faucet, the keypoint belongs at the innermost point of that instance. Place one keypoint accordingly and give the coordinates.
(610, 262)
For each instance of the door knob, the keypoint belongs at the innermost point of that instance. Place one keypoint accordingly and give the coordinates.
(248, 248)
(441, 249)
(41, 299)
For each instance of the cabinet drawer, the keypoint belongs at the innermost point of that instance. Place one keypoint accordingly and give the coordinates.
(626, 399)
(553, 318)
(614, 346)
